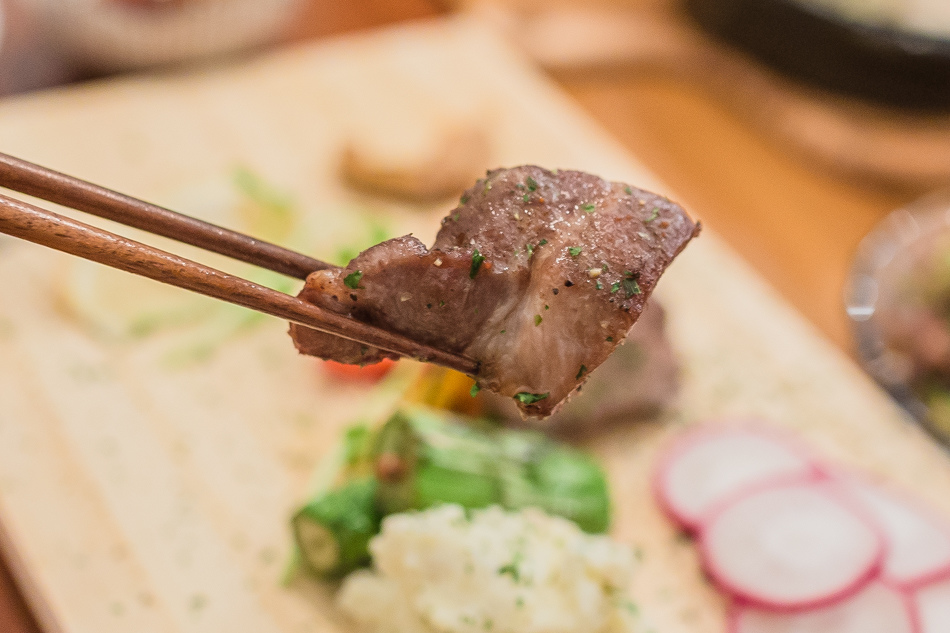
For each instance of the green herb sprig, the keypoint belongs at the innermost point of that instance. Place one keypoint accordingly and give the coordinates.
(477, 259)
(530, 398)
(353, 279)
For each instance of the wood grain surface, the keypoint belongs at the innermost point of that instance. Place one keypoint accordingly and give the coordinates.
(796, 223)
(15, 615)
(30, 63)
(176, 464)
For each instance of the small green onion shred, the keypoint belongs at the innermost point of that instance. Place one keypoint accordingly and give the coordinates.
(477, 259)
(353, 279)
(631, 287)
(575, 251)
(511, 569)
(475, 389)
(530, 398)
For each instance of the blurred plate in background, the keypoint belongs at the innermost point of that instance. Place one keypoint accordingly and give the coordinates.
(892, 52)
(125, 34)
(898, 300)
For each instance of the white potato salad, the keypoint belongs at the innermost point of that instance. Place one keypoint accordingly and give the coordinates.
(450, 570)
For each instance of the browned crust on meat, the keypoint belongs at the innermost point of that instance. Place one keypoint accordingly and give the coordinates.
(567, 262)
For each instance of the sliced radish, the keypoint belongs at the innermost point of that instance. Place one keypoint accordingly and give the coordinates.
(918, 543)
(707, 466)
(875, 609)
(790, 546)
(933, 607)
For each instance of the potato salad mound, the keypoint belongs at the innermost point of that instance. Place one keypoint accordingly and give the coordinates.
(444, 570)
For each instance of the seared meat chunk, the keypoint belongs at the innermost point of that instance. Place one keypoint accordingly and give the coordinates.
(638, 380)
(537, 275)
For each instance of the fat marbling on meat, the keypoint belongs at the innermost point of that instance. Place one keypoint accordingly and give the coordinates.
(537, 275)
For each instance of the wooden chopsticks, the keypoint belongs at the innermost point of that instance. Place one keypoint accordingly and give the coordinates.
(53, 186)
(29, 222)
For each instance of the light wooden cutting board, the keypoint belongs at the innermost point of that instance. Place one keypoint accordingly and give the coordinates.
(145, 481)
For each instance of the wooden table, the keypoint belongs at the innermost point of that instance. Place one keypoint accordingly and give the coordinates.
(796, 223)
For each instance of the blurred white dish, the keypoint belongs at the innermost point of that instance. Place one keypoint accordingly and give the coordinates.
(121, 34)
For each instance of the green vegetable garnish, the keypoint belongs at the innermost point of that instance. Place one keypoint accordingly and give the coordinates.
(575, 251)
(628, 190)
(631, 287)
(266, 211)
(474, 390)
(542, 242)
(614, 287)
(333, 531)
(511, 569)
(656, 212)
(588, 208)
(537, 320)
(353, 279)
(530, 398)
(525, 198)
(532, 183)
(477, 259)
(423, 457)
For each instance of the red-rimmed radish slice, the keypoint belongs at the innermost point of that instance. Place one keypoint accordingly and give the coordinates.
(933, 607)
(790, 546)
(917, 542)
(875, 609)
(705, 467)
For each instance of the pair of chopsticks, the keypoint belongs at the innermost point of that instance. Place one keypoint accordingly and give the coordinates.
(29, 222)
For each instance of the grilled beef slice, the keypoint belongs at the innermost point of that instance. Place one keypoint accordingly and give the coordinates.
(537, 275)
